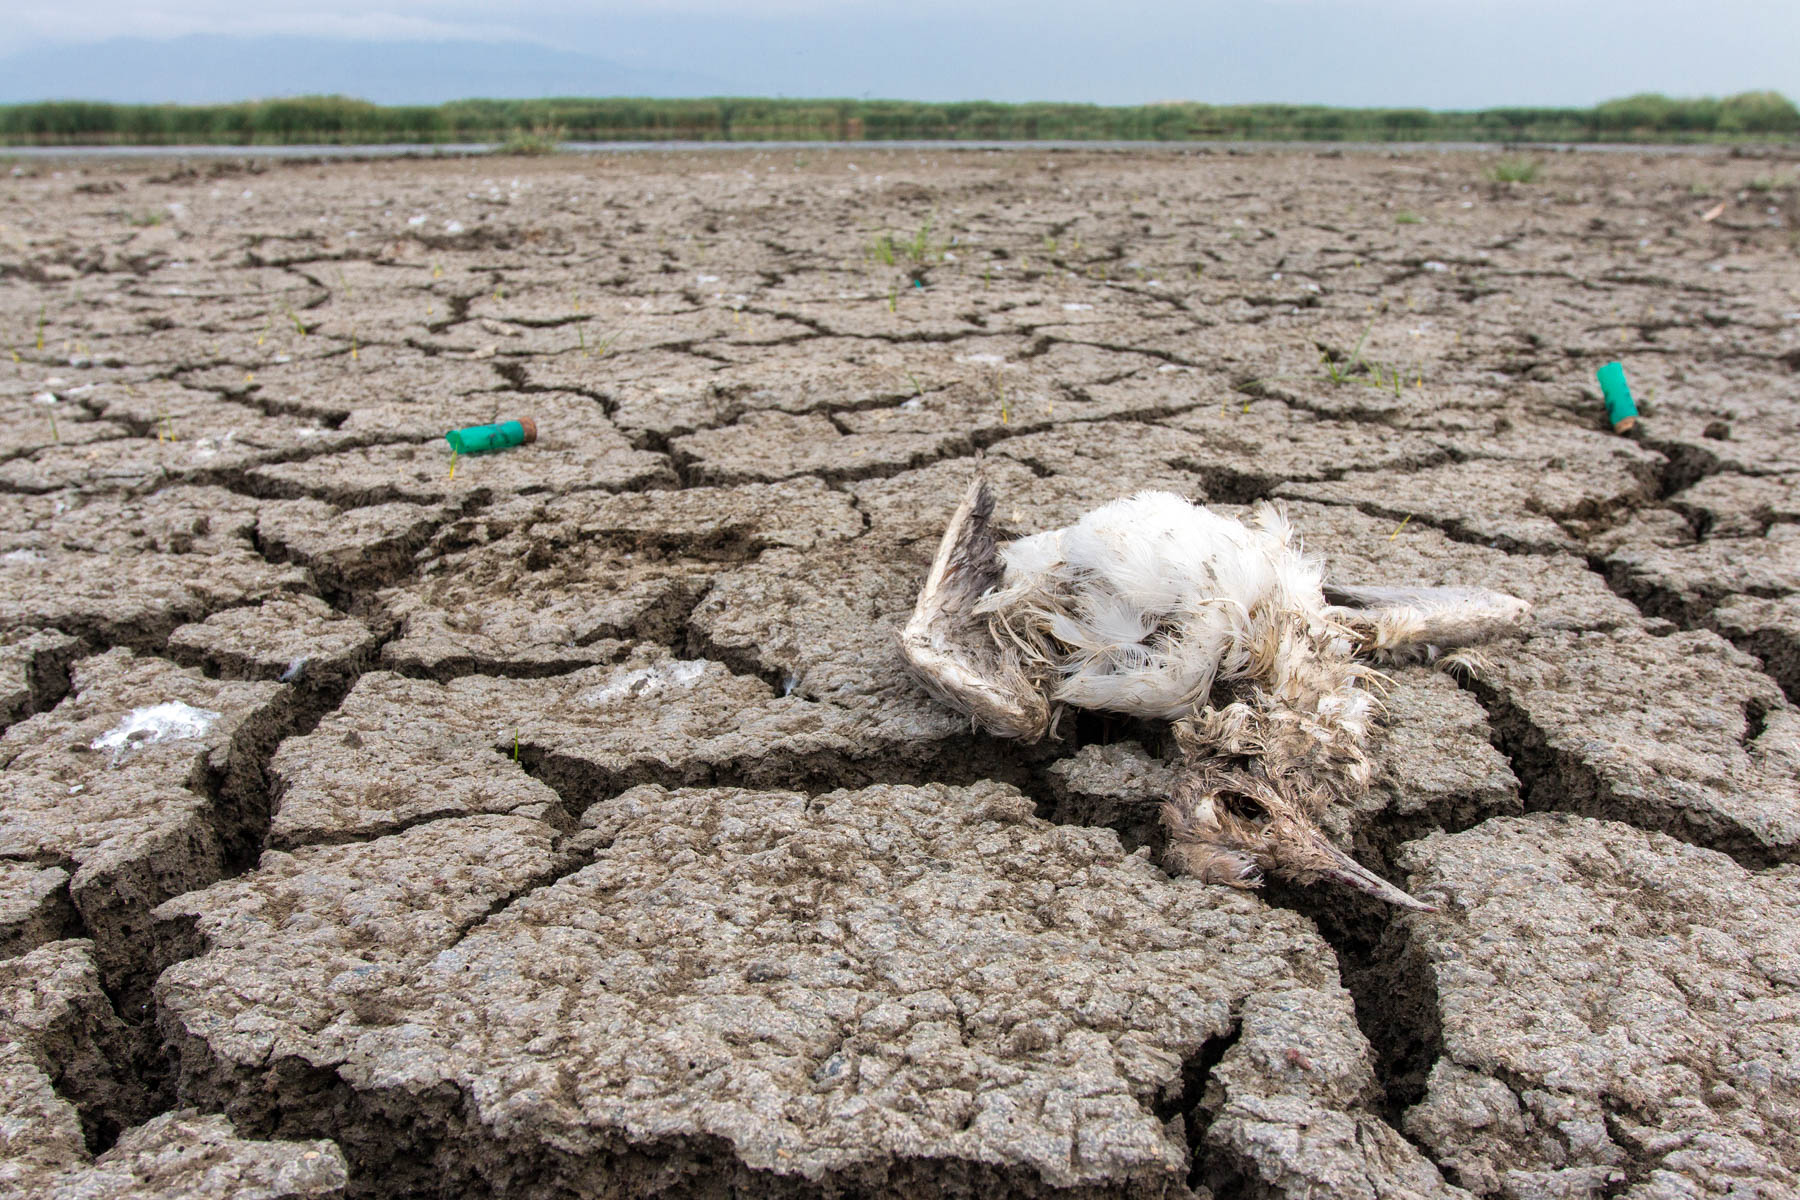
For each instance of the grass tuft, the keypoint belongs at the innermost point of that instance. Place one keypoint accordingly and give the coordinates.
(1516, 170)
(538, 140)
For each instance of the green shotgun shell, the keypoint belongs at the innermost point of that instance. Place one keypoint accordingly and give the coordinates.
(1621, 413)
(479, 439)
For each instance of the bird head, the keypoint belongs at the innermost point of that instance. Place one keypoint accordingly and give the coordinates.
(1234, 825)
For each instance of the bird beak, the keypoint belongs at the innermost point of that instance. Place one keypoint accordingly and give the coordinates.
(1347, 870)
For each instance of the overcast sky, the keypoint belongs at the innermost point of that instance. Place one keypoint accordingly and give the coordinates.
(1431, 53)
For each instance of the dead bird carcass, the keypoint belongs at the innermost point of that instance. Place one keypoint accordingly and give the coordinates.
(1157, 607)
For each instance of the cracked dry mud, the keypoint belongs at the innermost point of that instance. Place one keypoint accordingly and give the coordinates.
(560, 822)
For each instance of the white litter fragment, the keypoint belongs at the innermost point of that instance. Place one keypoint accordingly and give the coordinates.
(986, 360)
(1434, 265)
(21, 556)
(1078, 308)
(453, 226)
(645, 681)
(170, 721)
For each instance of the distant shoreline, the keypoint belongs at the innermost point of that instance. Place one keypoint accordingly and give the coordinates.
(395, 150)
(527, 126)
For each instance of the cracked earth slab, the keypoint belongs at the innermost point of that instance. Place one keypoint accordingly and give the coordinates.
(34, 670)
(139, 784)
(1617, 1010)
(577, 448)
(167, 433)
(64, 1079)
(589, 567)
(752, 430)
(188, 551)
(830, 989)
(1679, 733)
(1532, 493)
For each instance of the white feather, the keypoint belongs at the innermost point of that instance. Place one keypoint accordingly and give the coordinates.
(1152, 599)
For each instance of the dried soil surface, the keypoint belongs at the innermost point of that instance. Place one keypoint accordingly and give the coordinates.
(559, 822)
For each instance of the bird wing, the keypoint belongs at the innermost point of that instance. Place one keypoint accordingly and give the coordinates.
(947, 644)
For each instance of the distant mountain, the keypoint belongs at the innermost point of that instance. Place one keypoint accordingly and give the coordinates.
(210, 69)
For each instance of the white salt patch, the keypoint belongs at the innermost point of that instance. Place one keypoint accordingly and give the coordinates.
(646, 681)
(986, 360)
(416, 221)
(706, 279)
(170, 721)
(21, 556)
(453, 226)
